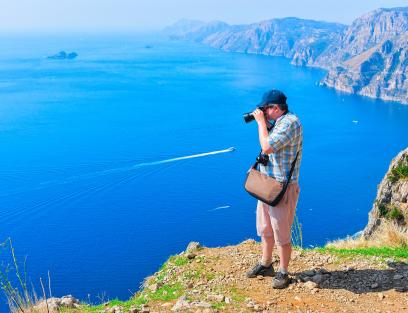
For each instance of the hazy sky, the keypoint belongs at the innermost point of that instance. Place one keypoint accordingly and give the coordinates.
(89, 15)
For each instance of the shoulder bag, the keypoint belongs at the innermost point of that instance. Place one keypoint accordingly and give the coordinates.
(266, 188)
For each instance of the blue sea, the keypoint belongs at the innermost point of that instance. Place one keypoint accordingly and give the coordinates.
(74, 198)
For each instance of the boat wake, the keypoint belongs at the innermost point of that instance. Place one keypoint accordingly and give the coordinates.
(124, 169)
(220, 208)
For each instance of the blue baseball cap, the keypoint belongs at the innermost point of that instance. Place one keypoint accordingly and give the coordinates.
(273, 96)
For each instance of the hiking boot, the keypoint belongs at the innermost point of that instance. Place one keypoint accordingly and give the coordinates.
(280, 281)
(259, 269)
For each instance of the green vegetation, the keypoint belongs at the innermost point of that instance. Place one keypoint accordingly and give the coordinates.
(395, 214)
(18, 296)
(400, 172)
(218, 305)
(382, 209)
(137, 301)
(166, 292)
(236, 296)
(371, 251)
(178, 260)
(390, 212)
(296, 233)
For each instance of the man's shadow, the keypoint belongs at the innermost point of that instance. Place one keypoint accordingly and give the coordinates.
(360, 281)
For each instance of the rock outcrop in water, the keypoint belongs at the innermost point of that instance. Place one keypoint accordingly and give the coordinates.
(62, 55)
(367, 58)
(391, 202)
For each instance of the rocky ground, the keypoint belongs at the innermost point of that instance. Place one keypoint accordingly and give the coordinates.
(213, 280)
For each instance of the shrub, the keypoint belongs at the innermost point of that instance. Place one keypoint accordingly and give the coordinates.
(395, 214)
(400, 172)
(382, 209)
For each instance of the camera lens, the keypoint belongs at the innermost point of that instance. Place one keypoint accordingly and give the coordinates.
(248, 117)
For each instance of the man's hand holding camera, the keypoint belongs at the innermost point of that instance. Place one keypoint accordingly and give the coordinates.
(260, 118)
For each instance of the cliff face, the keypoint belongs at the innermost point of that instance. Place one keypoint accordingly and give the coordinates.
(368, 58)
(391, 202)
(298, 39)
(372, 57)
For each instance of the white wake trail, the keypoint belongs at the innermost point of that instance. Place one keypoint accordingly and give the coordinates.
(220, 208)
(200, 155)
(136, 166)
(75, 178)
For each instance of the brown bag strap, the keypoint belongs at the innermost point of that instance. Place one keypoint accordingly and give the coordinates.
(293, 167)
(286, 184)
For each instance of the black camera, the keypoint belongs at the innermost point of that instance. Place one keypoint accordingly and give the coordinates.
(263, 159)
(248, 117)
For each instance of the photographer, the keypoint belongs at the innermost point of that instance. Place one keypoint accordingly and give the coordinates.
(281, 141)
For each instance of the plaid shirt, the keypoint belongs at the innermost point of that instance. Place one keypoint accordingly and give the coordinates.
(286, 140)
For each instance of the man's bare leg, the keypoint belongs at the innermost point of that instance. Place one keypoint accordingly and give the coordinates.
(264, 268)
(282, 279)
(285, 252)
(267, 248)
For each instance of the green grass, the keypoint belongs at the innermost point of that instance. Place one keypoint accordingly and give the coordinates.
(236, 296)
(160, 276)
(372, 251)
(164, 293)
(167, 292)
(399, 172)
(178, 260)
(192, 274)
(218, 305)
(209, 276)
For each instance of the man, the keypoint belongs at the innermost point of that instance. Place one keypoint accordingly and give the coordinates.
(281, 142)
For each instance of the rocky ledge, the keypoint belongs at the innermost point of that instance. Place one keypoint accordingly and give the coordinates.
(213, 280)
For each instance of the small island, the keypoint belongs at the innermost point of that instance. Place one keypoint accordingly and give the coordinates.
(62, 55)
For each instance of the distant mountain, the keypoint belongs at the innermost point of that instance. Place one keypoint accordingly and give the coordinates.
(368, 57)
(194, 30)
(372, 57)
(289, 37)
(379, 72)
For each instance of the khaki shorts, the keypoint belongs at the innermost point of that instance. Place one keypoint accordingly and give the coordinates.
(277, 221)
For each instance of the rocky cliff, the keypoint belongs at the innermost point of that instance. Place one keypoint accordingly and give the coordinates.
(372, 57)
(368, 57)
(301, 40)
(391, 203)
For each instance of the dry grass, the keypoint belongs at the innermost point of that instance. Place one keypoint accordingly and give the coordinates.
(389, 234)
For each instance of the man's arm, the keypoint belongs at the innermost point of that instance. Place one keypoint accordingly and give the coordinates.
(262, 131)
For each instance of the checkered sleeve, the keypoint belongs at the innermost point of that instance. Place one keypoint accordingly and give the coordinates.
(281, 135)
